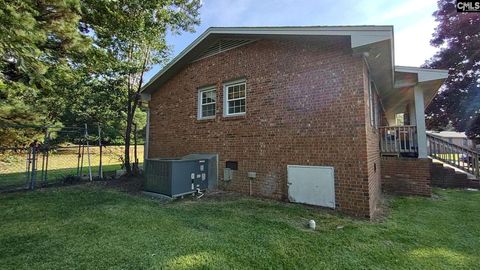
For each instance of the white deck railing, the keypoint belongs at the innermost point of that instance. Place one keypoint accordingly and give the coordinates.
(462, 158)
(398, 140)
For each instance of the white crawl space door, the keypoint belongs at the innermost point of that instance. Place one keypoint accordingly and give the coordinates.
(314, 185)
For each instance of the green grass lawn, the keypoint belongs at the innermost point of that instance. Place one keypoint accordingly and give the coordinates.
(87, 227)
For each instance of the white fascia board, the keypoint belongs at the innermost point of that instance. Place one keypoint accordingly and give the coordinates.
(424, 74)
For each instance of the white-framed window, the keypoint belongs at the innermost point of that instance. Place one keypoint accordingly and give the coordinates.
(378, 109)
(207, 98)
(235, 98)
(373, 111)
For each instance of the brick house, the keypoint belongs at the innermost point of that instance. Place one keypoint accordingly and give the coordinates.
(284, 101)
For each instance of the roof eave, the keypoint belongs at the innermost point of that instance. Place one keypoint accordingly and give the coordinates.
(360, 36)
(424, 74)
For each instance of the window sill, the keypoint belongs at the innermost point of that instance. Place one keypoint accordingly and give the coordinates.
(206, 119)
(234, 117)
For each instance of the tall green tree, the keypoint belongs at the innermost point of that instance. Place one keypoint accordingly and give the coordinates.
(132, 33)
(39, 46)
(458, 38)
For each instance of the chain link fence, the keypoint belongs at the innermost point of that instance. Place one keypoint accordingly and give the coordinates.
(41, 159)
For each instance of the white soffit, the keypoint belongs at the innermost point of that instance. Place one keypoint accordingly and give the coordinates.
(360, 35)
(361, 39)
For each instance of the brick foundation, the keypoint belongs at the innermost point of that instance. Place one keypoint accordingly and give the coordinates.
(446, 177)
(406, 176)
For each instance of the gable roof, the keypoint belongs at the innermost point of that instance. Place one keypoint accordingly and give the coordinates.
(360, 37)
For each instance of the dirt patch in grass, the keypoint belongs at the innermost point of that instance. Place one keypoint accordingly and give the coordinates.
(132, 185)
(383, 209)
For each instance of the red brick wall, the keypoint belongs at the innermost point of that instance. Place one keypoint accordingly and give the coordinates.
(406, 176)
(373, 154)
(447, 177)
(305, 106)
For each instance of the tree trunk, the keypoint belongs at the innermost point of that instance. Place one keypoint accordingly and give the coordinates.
(128, 132)
(133, 102)
(136, 169)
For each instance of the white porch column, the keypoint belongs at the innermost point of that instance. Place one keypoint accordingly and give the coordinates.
(420, 121)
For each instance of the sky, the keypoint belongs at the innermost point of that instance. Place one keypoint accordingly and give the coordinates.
(412, 20)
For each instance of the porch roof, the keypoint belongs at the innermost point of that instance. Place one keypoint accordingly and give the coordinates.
(395, 99)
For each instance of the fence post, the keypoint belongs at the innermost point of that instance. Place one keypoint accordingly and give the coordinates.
(100, 168)
(34, 161)
(88, 154)
(45, 151)
(78, 159)
(42, 175)
(28, 171)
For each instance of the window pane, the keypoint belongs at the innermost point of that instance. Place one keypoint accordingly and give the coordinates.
(241, 91)
(208, 110)
(242, 105)
(236, 106)
(207, 102)
(236, 91)
(211, 96)
(236, 98)
(208, 96)
(232, 108)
